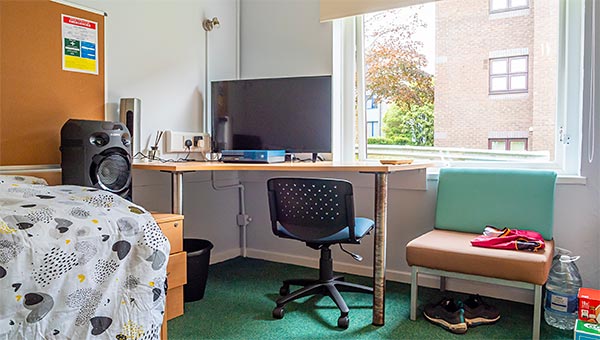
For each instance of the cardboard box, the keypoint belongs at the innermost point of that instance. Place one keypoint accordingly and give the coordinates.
(589, 305)
(586, 331)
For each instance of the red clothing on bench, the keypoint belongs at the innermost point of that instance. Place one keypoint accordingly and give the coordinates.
(513, 239)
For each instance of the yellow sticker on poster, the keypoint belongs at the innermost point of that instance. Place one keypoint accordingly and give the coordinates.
(79, 42)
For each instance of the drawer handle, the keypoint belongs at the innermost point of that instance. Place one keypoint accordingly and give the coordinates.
(176, 224)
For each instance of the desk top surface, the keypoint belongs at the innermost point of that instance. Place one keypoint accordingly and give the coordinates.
(368, 166)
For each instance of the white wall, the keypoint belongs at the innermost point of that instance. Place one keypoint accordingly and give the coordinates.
(156, 52)
(284, 38)
(269, 48)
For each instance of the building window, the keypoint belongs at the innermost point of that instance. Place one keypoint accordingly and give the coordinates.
(509, 75)
(507, 5)
(371, 104)
(508, 144)
(373, 129)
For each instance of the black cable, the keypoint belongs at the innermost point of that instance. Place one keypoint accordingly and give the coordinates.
(300, 160)
(188, 154)
(140, 154)
(170, 160)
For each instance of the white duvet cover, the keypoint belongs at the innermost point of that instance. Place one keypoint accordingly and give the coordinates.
(78, 263)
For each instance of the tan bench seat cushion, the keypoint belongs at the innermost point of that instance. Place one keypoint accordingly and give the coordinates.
(452, 251)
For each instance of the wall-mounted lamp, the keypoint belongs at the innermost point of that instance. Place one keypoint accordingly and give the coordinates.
(209, 24)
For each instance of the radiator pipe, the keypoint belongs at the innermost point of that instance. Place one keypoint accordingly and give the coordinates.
(242, 219)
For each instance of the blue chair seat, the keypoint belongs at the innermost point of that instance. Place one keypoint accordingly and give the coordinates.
(362, 226)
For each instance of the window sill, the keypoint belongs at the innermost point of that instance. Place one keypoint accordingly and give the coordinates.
(433, 175)
(509, 96)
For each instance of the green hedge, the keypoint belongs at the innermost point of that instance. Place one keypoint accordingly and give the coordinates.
(395, 140)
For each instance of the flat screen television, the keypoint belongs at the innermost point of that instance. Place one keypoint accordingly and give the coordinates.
(291, 114)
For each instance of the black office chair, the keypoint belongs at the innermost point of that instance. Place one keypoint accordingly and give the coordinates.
(319, 212)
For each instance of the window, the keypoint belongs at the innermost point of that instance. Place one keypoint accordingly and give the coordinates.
(371, 104)
(507, 5)
(507, 144)
(372, 129)
(508, 75)
(445, 86)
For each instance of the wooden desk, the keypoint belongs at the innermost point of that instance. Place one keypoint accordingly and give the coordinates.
(381, 189)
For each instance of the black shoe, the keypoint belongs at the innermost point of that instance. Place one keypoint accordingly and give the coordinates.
(447, 314)
(478, 312)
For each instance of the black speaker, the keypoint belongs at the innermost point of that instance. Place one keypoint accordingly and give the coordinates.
(96, 154)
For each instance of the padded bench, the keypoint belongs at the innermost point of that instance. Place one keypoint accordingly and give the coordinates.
(467, 201)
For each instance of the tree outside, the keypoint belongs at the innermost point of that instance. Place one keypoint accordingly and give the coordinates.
(395, 73)
(412, 126)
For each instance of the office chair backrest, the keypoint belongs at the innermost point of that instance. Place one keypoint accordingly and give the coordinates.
(311, 208)
(470, 199)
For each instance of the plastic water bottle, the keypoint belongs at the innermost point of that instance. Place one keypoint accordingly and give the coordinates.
(564, 281)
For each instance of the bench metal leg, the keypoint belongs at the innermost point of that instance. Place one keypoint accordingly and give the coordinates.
(442, 284)
(414, 286)
(537, 312)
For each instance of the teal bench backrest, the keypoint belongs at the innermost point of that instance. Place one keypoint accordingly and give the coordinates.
(470, 199)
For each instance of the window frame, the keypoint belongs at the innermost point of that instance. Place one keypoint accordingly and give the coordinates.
(509, 8)
(508, 75)
(372, 127)
(569, 116)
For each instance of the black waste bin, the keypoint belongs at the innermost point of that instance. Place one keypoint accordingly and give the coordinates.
(198, 259)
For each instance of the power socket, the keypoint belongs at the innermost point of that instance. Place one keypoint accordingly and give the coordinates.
(176, 141)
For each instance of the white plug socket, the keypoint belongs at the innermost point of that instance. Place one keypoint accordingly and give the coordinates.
(176, 141)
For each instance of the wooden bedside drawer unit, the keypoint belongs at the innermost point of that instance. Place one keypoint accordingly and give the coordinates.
(177, 270)
(174, 232)
(172, 226)
(174, 303)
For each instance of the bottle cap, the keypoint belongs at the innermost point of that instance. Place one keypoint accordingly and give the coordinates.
(567, 258)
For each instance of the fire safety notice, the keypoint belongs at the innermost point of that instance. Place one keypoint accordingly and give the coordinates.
(79, 45)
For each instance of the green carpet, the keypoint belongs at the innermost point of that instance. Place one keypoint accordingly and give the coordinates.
(240, 296)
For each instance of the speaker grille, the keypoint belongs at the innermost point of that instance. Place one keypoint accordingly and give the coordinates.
(113, 172)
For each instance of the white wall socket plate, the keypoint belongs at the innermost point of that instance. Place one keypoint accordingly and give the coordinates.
(200, 141)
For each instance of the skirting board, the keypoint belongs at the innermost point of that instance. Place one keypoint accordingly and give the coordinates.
(224, 255)
(457, 285)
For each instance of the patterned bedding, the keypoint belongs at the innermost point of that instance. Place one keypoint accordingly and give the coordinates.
(78, 263)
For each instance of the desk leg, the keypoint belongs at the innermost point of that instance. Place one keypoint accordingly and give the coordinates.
(381, 190)
(177, 192)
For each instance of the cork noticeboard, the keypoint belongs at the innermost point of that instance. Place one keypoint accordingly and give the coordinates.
(36, 95)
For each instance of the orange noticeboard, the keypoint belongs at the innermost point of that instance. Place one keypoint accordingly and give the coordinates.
(40, 89)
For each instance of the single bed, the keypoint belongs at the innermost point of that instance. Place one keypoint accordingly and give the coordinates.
(78, 263)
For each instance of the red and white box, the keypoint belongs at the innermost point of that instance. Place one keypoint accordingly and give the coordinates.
(589, 305)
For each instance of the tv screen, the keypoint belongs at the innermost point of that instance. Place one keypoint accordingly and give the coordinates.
(291, 114)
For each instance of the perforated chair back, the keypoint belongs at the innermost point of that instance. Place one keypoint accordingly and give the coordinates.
(310, 209)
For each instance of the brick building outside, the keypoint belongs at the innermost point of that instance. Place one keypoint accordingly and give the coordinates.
(496, 74)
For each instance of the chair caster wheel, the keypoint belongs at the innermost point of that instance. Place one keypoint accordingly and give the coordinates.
(343, 322)
(278, 313)
(284, 290)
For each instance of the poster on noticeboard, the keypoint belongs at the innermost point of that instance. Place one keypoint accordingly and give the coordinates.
(79, 45)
